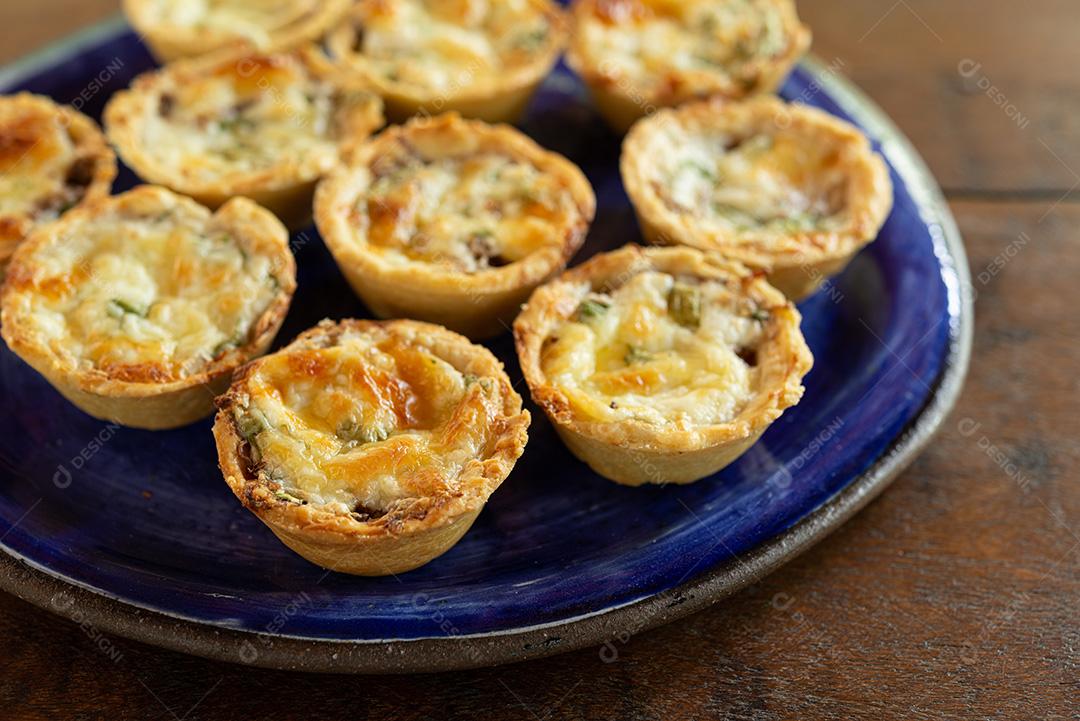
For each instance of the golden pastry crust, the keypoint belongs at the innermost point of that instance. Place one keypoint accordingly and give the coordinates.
(139, 307)
(370, 447)
(785, 188)
(479, 58)
(52, 158)
(640, 55)
(453, 221)
(263, 126)
(661, 365)
(184, 28)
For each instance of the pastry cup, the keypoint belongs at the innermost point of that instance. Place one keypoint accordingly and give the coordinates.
(441, 286)
(462, 82)
(679, 54)
(103, 353)
(625, 444)
(263, 126)
(811, 155)
(342, 376)
(52, 158)
(171, 38)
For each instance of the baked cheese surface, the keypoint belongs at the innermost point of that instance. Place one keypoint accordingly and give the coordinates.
(36, 156)
(662, 46)
(769, 180)
(445, 45)
(366, 424)
(464, 213)
(243, 117)
(254, 20)
(669, 351)
(144, 299)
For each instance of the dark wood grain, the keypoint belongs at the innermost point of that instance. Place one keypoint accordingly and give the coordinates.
(955, 595)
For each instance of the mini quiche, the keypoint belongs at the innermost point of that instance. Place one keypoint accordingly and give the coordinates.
(265, 127)
(139, 307)
(785, 188)
(453, 221)
(370, 447)
(481, 58)
(661, 365)
(640, 55)
(52, 158)
(182, 28)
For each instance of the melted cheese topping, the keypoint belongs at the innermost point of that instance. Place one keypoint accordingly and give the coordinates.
(660, 46)
(253, 20)
(359, 427)
(661, 350)
(771, 182)
(445, 45)
(464, 213)
(144, 299)
(246, 116)
(41, 171)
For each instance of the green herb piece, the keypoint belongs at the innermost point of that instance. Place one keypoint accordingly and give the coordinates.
(532, 40)
(229, 344)
(760, 315)
(232, 125)
(118, 308)
(354, 431)
(696, 167)
(684, 304)
(591, 309)
(635, 355)
(282, 495)
(251, 424)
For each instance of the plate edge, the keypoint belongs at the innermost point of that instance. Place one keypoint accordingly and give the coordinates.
(436, 654)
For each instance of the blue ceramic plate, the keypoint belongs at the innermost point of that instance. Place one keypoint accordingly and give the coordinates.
(136, 533)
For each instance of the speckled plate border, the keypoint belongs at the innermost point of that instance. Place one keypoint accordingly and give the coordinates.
(110, 615)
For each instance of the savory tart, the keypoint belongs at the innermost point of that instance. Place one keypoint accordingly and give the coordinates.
(52, 158)
(786, 188)
(182, 28)
(640, 55)
(453, 221)
(370, 447)
(480, 58)
(661, 365)
(266, 127)
(139, 307)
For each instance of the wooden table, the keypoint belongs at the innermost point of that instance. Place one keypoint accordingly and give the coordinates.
(955, 595)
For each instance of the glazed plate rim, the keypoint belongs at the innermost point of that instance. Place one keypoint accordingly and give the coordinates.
(108, 613)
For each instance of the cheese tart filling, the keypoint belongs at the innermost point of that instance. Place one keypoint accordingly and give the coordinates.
(51, 159)
(660, 349)
(781, 183)
(664, 51)
(469, 210)
(148, 287)
(373, 421)
(239, 124)
(661, 365)
(189, 27)
(451, 48)
(453, 221)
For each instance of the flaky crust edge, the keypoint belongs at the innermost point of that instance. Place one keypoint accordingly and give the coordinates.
(623, 103)
(89, 142)
(390, 544)
(503, 100)
(633, 452)
(286, 188)
(810, 258)
(169, 43)
(478, 305)
(153, 406)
